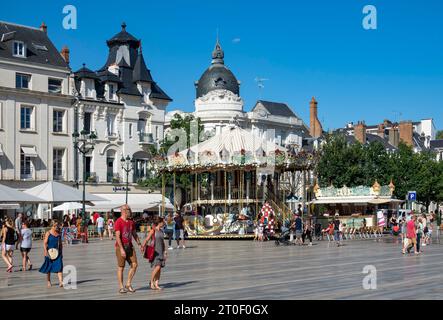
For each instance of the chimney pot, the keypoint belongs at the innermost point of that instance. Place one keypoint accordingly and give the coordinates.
(44, 27)
(65, 54)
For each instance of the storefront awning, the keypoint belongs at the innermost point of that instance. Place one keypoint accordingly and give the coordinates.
(29, 152)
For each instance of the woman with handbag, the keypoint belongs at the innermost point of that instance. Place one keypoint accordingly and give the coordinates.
(155, 252)
(53, 254)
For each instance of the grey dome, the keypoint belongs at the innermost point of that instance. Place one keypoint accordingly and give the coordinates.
(217, 76)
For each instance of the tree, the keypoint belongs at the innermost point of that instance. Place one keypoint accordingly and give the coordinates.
(439, 134)
(354, 164)
(179, 122)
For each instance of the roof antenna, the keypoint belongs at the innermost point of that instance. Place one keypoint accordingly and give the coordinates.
(261, 86)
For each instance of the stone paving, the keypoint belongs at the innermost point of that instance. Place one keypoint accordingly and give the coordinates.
(243, 270)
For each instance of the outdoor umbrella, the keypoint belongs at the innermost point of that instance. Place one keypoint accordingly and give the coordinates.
(54, 192)
(68, 206)
(10, 195)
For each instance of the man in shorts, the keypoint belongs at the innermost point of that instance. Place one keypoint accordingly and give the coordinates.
(100, 223)
(124, 232)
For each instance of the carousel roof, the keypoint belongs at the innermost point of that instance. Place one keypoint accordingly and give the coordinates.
(231, 144)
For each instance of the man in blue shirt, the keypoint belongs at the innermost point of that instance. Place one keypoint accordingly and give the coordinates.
(298, 230)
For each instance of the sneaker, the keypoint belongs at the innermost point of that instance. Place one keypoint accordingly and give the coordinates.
(183, 247)
(178, 247)
(170, 248)
(310, 244)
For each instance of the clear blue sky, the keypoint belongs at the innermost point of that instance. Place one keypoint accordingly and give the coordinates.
(305, 48)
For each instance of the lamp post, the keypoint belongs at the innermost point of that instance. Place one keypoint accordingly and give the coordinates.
(127, 166)
(84, 143)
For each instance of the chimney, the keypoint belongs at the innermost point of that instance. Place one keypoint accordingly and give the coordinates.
(65, 54)
(315, 128)
(406, 131)
(44, 27)
(381, 130)
(360, 132)
(393, 136)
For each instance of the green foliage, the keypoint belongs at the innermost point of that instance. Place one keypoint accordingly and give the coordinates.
(439, 135)
(179, 122)
(356, 164)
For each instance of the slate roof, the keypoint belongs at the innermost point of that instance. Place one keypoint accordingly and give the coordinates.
(437, 144)
(276, 108)
(132, 67)
(39, 48)
(141, 72)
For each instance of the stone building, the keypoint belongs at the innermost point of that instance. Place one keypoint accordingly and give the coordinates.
(124, 106)
(36, 113)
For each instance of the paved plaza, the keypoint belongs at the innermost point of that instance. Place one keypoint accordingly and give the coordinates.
(243, 270)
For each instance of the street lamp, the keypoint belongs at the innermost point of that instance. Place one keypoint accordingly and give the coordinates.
(127, 166)
(84, 143)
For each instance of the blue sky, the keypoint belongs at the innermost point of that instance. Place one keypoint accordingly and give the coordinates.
(305, 48)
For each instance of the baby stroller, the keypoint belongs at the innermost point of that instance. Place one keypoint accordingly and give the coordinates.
(284, 237)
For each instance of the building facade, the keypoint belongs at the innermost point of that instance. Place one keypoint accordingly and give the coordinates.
(125, 108)
(36, 113)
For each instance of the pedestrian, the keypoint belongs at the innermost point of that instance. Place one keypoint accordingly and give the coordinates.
(8, 243)
(337, 230)
(26, 245)
(110, 224)
(298, 230)
(425, 229)
(53, 253)
(160, 254)
(85, 227)
(179, 230)
(308, 231)
(95, 216)
(78, 223)
(292, 228)
(124, 232)
(18, 227)
(411, 236)
(100, 223)
(420, 233)
(170, 225)
(65, 228)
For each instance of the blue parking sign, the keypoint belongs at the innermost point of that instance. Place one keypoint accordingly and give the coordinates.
(412, 196)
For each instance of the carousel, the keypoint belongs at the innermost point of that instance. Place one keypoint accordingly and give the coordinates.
(232, 176)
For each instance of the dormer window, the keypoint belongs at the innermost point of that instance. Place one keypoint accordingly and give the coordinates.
(111, 92)
(19, 49)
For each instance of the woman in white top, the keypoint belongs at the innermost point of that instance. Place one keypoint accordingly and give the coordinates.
(26, 245)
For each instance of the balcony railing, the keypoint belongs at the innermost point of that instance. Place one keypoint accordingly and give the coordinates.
(145, 138)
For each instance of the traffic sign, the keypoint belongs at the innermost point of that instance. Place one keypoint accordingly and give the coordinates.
(412, 196)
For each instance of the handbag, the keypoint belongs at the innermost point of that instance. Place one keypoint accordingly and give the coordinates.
(53, 252)
(150, 249)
